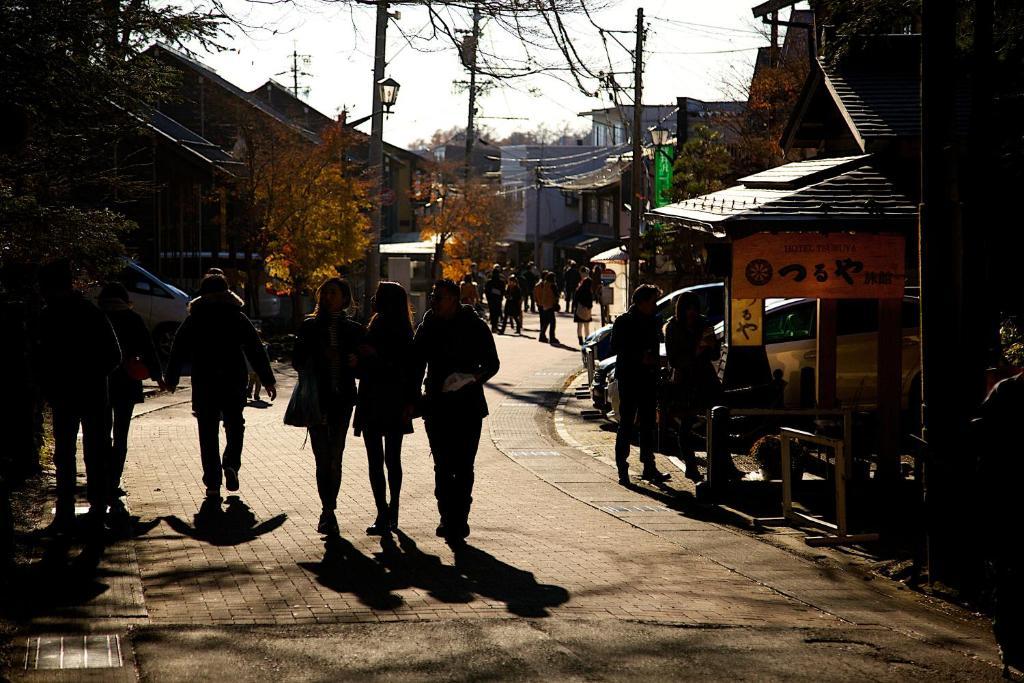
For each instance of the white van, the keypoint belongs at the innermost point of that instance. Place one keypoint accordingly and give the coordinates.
(162, 306)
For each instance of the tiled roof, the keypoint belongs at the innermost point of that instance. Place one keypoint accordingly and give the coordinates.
(879, 103)
(850, 190)
(198, 145)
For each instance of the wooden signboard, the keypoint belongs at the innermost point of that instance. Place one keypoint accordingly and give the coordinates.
(818, 266)
(746, 322)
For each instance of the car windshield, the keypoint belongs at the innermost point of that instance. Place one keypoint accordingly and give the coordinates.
(166, 285)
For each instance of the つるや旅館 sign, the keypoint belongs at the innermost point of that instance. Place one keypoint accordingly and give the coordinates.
(818, 266)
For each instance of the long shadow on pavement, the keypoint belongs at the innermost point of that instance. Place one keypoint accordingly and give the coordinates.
(233, 525)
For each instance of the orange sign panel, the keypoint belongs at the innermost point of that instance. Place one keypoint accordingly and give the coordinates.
(818, 266)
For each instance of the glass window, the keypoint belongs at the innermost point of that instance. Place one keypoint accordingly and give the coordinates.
(606, 211)
(792, 323)
(590, 202)
(856, 316)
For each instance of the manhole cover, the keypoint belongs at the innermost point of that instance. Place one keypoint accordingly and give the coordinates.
(521, 453)
(74, 652)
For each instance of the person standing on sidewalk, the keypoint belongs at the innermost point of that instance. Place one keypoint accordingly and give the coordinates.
(513, 305)
(216, 339)
(692, 347)
(583, 302)
(528, 279)
(546, 295)
(571, 280)
(454, 348)
(387, 395)
(139, 362)
(636, 339)
(495, 293)
(327, 346)
(76, 352)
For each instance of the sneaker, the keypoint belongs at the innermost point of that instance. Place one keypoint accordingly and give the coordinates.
(623, 475)
(230, 479)
(654, 476)
(328, 525)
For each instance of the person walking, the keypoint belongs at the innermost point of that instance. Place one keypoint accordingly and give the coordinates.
(387, 395)
(692, 347)
(216, 339)
(583, 302)
(468, 293)
(453, 347)
(547, 304)
(636, 338)
(513, 305)
(76, 352)
(326, 347)
(528, 279)
(571, 280)
(494, 291)
(139, 362)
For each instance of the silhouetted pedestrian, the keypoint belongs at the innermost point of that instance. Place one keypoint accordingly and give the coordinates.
(494, 290)
(1000, 473)
(139, 362)
(528, 279)
(636, 340)
(546, 295)
(216, 339)
(76, 353)
(692, 347)
(455, 349)
(583, 302)
(513, 305)
(388, 391)
(327, 346)
(570, 280)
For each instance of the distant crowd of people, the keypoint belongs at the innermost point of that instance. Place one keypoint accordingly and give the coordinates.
(504, 294)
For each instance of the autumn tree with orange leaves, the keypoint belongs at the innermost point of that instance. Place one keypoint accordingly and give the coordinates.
(466, 220)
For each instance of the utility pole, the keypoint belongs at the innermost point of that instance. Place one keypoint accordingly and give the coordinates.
(539, 183)
(469, 49)
(376, 160)
(633, 274)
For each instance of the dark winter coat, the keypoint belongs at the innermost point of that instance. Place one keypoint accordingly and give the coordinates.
(494, 291)
(571, 279)
(513, 301)
(634, 336)
(135, 343)
(387, 383)
(691, 353)
(76, 352)
(215, 340)
(311, 347)
(462, 344)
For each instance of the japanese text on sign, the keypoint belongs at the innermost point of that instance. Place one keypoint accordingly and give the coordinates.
(746, 322)
(820, 266)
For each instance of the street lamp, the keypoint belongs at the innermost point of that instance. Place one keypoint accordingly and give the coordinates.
(661, 138)
(660, 135)
(388, 90)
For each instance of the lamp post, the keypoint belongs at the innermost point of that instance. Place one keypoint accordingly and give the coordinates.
(385, 94)
(660, 137)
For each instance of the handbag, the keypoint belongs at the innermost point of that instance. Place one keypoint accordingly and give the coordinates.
(583, 313)
(304, 405)
(136, 369)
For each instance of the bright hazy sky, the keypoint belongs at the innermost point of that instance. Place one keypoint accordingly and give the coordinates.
(338, 38)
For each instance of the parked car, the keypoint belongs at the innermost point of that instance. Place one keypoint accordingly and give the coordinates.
(162, 306)
(597, 346)
(790, 329)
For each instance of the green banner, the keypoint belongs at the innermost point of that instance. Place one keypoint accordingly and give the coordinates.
(662, 175)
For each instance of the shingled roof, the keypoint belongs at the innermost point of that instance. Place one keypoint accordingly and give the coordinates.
(194, 143)
(837, 193)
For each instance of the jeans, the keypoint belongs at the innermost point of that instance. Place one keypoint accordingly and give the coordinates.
(209, 418)
(385, 449)
(328, 443)
(454, 438)
(95, 423)
(637, 405)
(122, 411)
(547, 320)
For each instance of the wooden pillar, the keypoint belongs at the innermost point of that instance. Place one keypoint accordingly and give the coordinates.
(825, 374)
(890, 387)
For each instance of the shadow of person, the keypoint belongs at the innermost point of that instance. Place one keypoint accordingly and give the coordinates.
(344, 569)
(55, 583)
(410, 566)
(518, 589)
(233, 525)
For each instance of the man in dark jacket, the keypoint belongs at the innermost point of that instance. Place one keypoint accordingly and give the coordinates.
(528, 279)
(636, 341)
(76, 353)
(455, 348)
(495, 293)
(570, 280)
(213, 339)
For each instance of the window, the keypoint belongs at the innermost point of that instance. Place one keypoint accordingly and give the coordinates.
(856, 316)
(590, 205)
(606, 211)
(792, 323)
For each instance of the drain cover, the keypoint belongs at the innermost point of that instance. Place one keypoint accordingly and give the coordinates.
(74, 652)
(532, 453)
(634, 508)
